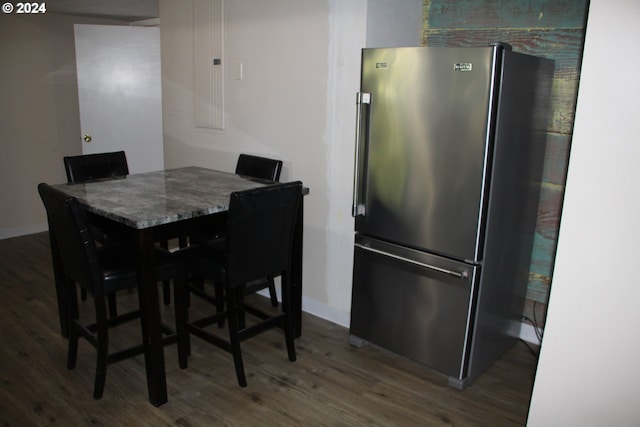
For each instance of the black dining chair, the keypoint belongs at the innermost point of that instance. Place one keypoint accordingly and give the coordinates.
(269, 169)
(258, 243)
(90, 167)
(259, 167)
(103, 270)
(255, 167)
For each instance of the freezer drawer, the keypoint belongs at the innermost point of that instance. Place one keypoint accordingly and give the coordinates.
(414, 304)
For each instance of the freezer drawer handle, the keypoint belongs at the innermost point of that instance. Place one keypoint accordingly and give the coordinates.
(463, 275)
(358, 208)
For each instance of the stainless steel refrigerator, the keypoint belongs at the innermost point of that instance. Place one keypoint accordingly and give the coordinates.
(449, 151)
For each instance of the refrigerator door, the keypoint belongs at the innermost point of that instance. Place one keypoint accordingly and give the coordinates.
(424, 148)
(412, 303)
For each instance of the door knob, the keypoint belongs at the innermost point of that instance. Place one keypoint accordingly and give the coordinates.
(87, 137)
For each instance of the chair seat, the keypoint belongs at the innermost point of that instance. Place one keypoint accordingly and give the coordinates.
(119, 266)
(205, 260)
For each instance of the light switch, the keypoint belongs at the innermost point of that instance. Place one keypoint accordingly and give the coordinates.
(238, 71)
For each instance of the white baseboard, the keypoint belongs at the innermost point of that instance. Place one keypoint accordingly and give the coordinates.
(325, 312)
(528, 334)
(520, 330)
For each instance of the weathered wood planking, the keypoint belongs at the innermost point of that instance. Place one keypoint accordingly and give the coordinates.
(563, 46)
(548, 215)
(563, 106)
(545, 241)
(505, 14)
(556, 157)
(548, 28)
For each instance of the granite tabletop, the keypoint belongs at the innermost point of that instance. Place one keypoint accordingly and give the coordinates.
(149, 199)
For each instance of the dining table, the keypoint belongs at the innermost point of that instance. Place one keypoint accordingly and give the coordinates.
(162, 205)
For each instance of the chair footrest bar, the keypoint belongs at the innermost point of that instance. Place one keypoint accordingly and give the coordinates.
(209, 337)
(202, 294)
(209, 320)
(258, 328)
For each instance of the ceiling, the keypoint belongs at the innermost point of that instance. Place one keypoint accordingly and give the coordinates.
(129, 10)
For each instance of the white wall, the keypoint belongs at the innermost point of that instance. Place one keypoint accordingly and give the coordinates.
(278, 109)
(39, 115)
(393, 23)
(295, 102)
(588, 370)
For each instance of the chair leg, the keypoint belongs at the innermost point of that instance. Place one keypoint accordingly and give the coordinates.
(113, 307)
(72, 348)
(71, 317)
(219, 293)
(61, 283)
(272, 292)
(288, 318)
(166, 292)
(180, 301)
(102, 348)
(234, 336)
(241, 313)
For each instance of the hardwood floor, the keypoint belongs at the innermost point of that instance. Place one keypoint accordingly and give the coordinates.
(331, 383)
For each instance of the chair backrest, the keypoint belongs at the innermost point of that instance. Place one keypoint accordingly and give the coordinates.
(76, 247)
(259, 167)
(260, 229)
(88, 167)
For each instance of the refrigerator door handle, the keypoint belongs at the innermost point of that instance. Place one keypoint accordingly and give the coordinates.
(459, 275)
(357, 207)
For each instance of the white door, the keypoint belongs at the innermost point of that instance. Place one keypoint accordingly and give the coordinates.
(120, 94)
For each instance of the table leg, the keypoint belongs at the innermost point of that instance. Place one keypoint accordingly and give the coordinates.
(150, 320)
(296, 276)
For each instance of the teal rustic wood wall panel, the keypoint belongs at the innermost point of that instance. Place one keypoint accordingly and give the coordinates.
(505, 14)
(563, 46)
(556, 158)
(549, 28)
